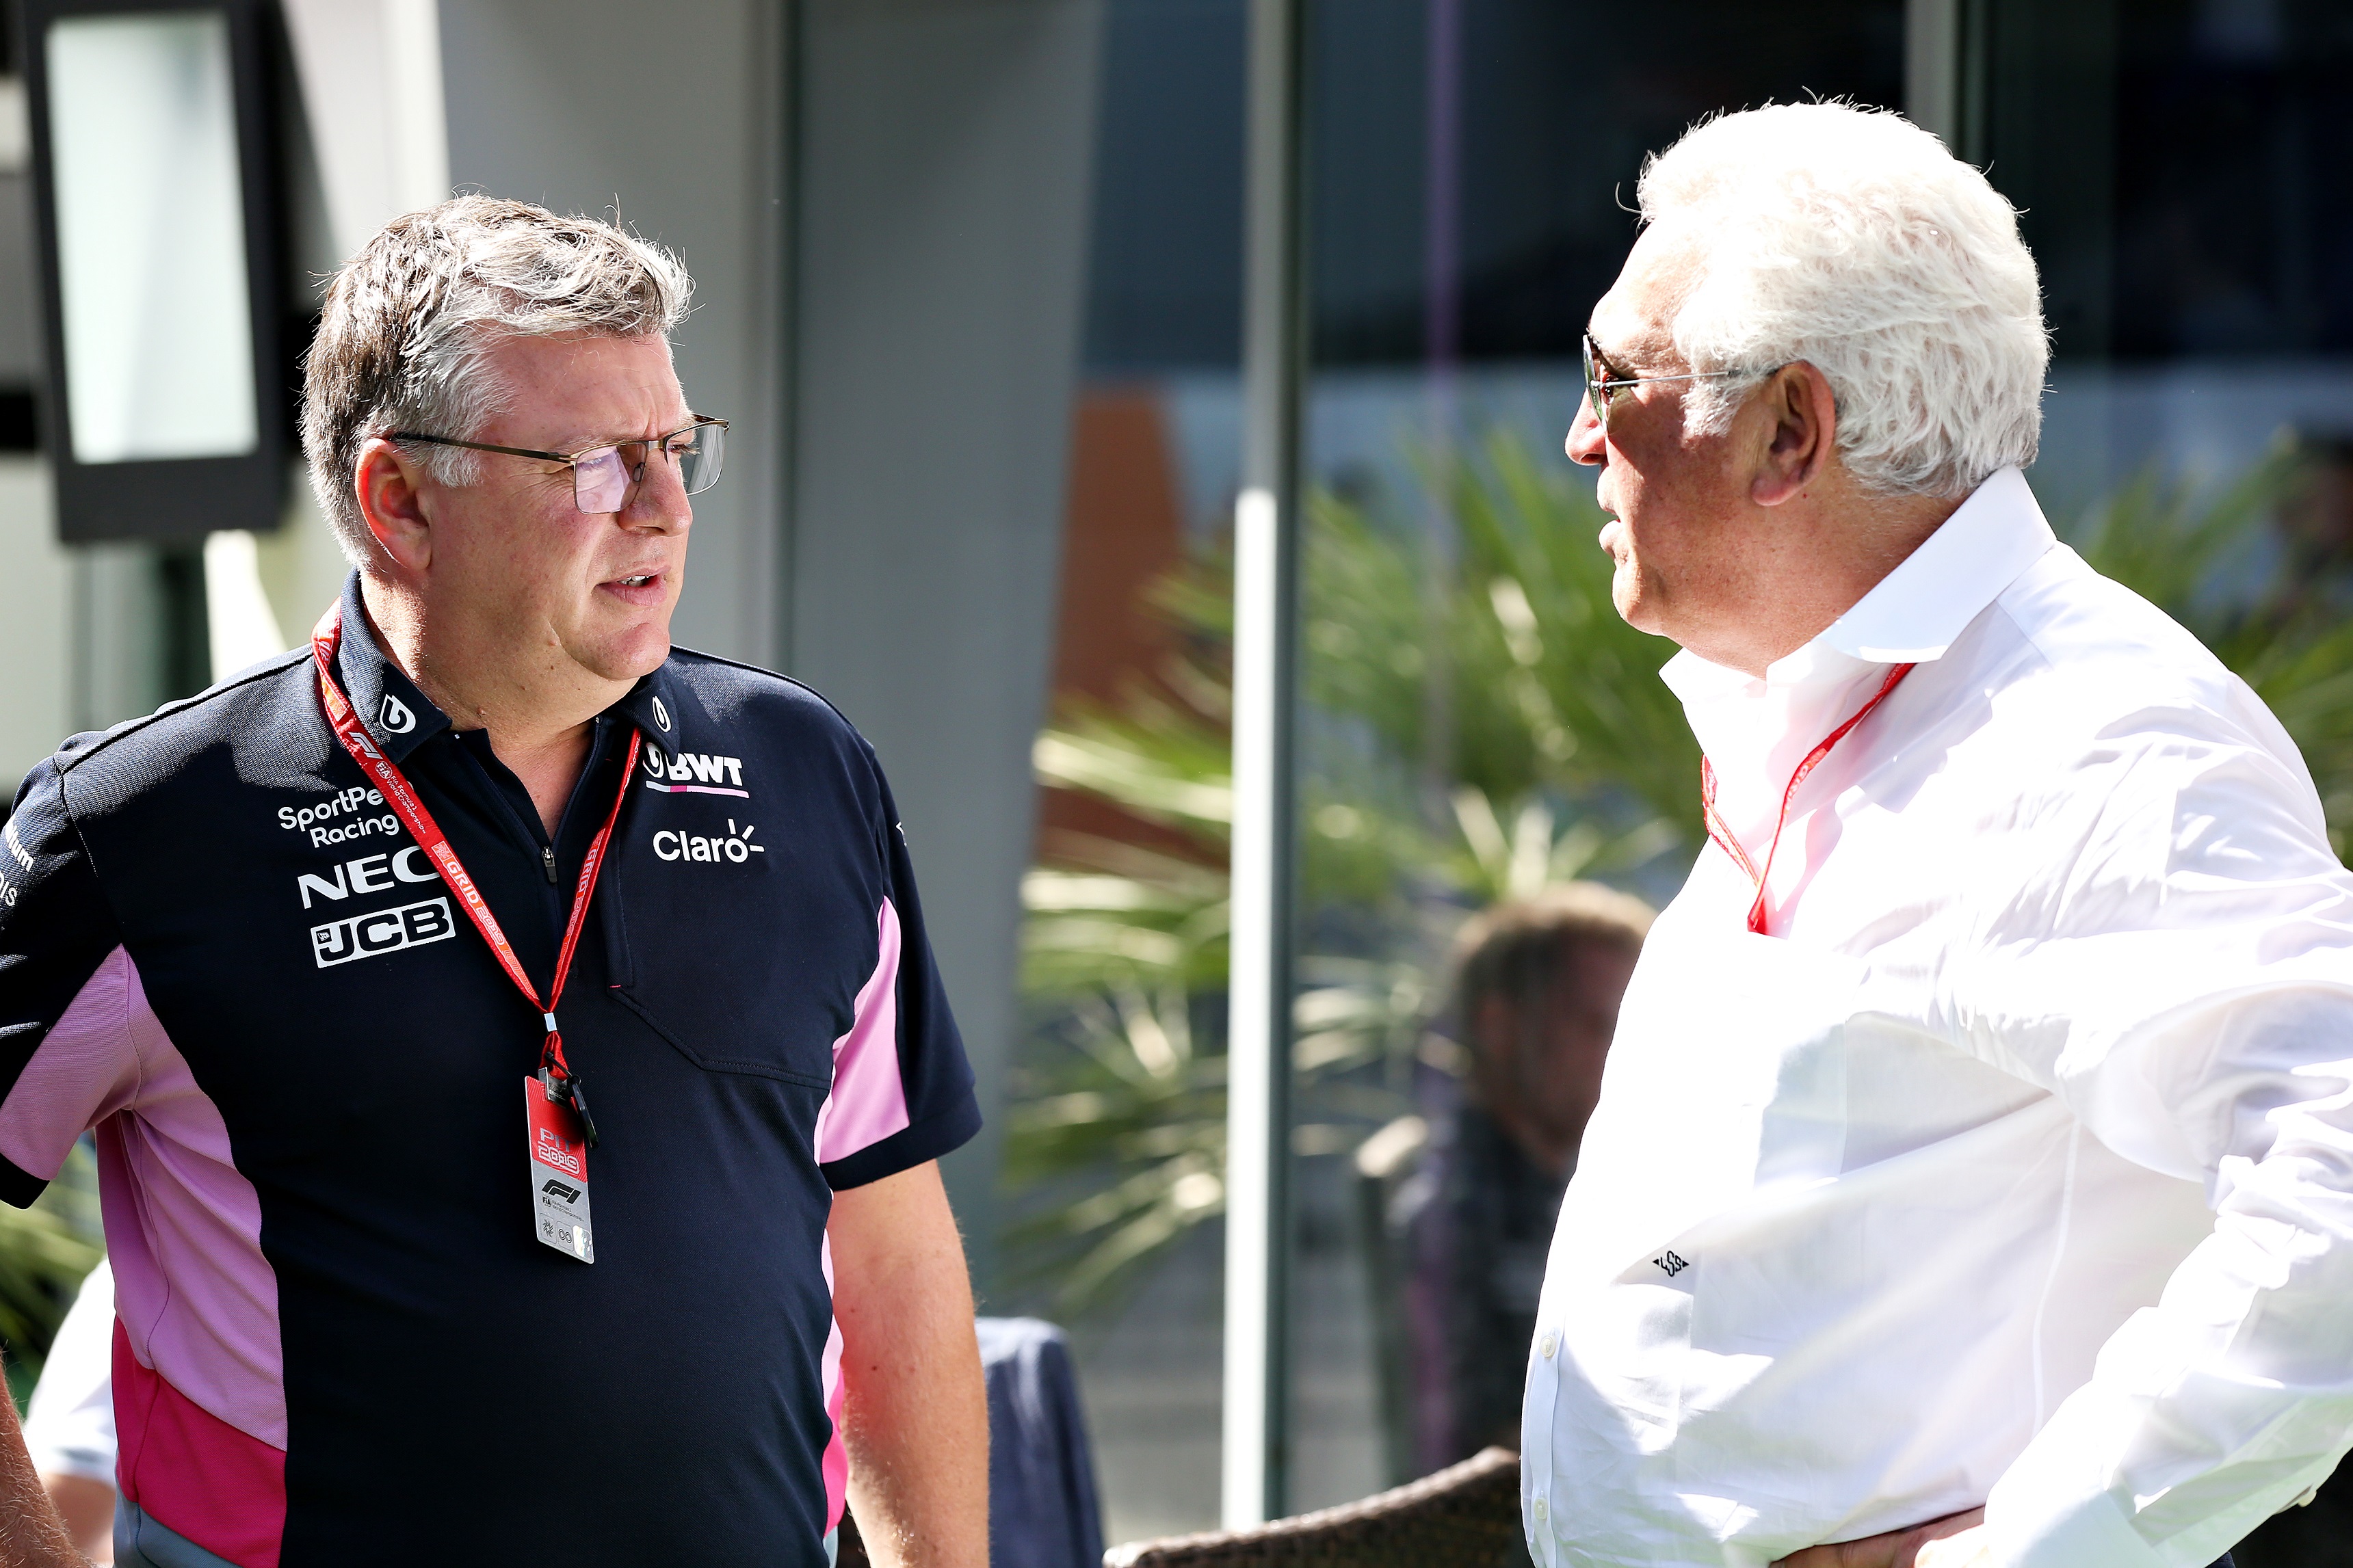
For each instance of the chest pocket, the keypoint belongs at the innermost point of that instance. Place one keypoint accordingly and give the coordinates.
(741, 945)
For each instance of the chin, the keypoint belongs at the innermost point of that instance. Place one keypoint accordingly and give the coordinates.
(631, 654)
(1625, 593)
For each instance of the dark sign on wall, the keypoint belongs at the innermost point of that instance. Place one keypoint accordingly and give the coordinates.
(158, 247)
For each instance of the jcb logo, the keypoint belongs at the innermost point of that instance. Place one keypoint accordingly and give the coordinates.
(386, 930)
(692, 772)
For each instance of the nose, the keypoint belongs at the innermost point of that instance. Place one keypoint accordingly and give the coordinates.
(1586, 442)
(658, 502)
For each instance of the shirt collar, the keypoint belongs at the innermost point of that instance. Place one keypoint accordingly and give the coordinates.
(399, 717)
(1917, 611)
(1921, 608)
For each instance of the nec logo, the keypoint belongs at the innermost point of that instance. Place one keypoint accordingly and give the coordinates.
(692, 772)
(557, 1189)
(368, 874)
(386, 930)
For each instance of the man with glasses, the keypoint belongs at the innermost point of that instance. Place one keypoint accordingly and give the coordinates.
(517, 1062)
(1972, 1182)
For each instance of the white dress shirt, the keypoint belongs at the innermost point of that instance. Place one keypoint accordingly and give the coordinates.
(2014, 1164)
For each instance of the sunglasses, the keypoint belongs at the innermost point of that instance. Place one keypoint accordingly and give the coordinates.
(1603, 385)
(602, 476)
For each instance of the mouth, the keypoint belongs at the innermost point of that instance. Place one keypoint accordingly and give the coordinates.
(1613, 538)
(641, 588)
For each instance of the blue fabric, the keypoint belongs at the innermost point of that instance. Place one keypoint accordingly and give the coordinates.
(676, 1386)
(1042, 1512)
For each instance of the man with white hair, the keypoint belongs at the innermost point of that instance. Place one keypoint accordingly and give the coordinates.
(1972, 1180)
(302, 947)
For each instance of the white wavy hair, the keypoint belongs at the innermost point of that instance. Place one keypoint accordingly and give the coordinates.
(402, 342)
(1849, 238)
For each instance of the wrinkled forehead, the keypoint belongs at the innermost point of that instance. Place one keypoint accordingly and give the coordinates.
(1634, 322)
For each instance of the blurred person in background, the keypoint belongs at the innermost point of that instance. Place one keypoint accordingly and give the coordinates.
(1536, 992)
(301, 948)
(70, 1420)
(1973, 1183)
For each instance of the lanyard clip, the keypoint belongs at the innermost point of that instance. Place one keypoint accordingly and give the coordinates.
(565, 1090)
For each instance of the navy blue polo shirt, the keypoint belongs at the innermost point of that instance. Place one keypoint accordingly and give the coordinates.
(339, 1341)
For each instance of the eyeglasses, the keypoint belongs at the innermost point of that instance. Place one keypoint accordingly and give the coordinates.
(1601, 389)
(601, 476)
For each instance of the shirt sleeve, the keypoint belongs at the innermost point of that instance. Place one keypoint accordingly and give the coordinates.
(903, 1090)
(2179, 970)
(68, 1054)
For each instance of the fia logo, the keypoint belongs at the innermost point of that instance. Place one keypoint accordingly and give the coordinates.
(394, 716)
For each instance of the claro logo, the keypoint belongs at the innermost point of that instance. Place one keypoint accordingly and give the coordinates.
(736, 846)
(386, 930)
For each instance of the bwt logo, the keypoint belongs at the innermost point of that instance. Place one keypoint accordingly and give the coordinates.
(386, 930)
(557, 1189)
(692, 772)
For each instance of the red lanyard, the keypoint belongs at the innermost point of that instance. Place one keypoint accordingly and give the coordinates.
(555, 1073)
(1718, 830)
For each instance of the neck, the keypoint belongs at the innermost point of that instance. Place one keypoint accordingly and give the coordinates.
(1816, 567)
(536, 705)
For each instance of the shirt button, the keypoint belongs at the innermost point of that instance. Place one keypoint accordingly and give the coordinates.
(1546, 1345)
(1540, 1510)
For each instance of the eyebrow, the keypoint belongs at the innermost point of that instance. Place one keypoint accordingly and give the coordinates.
(625, 440)
(1608, 357)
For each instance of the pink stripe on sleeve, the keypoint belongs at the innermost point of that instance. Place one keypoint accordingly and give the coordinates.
(85, 1069)
(868, 1102)
(836, 1452)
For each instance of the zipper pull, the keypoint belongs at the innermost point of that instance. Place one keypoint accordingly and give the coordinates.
(547, 862)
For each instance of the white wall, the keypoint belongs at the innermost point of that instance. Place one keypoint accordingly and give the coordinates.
(35, 618)
(944, 171)
(671, 116)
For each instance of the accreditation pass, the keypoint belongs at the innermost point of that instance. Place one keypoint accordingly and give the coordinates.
(559, 1175)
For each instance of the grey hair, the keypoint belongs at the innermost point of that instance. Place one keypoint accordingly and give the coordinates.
(408, 323)
(1849, 238)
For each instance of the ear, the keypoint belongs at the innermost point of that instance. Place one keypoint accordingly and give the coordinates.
(1804, 437)
(390, 485)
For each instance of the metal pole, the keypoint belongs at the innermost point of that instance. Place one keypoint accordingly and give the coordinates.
(1266, 617)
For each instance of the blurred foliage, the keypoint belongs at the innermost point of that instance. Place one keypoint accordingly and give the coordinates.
(1477, 724)
(1506, 676)
(45, 1251)
(2280, 615)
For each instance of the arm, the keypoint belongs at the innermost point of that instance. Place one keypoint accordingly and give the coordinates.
(2189, 1000)
(916, 1420)
(31, 1534)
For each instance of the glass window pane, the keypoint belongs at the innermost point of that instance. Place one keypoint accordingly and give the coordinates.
(1479, 729)
(150, 234)
(1116, 1134)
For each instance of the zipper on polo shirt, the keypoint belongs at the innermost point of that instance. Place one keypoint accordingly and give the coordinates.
(547, 862)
